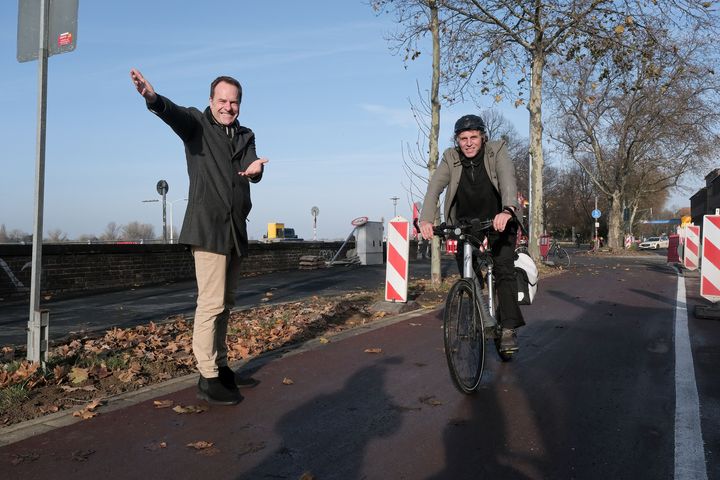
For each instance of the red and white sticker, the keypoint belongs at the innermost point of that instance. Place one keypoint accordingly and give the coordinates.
(64, 39)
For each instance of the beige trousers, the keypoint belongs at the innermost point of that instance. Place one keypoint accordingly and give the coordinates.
(217, 276)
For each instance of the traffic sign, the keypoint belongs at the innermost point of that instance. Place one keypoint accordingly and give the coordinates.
(62, 30)
(595, 213)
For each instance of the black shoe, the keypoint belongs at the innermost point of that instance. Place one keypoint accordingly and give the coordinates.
(508, 340)
(214, 392)
(229, 377)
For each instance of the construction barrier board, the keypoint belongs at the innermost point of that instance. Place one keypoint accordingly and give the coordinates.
(398, 252)
(691, 250)
(710, 259)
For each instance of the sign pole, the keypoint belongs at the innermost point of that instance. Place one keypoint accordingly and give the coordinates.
(35, 323)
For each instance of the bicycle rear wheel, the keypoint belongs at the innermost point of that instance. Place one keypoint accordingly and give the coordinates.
(563, 257)
(464, 338)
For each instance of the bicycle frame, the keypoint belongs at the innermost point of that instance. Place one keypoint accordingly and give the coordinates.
(469, 272)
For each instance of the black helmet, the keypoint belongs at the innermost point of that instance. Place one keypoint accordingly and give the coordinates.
(469, 122)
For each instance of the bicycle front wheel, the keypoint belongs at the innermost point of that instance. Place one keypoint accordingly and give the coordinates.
(464, 338)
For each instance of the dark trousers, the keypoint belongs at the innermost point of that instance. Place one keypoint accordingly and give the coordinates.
(502, 246)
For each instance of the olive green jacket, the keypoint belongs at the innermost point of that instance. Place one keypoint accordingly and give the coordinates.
(447, 175)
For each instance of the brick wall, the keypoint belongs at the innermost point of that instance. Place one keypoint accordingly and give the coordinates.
(73, 269)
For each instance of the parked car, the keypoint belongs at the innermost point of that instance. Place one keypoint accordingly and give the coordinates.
(654, 243)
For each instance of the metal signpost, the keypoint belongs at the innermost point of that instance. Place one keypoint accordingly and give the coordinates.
(39, 22)
(596, 215)
(314, 211)
(162, 189)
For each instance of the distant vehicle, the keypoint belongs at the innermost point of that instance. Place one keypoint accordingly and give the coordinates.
(277, 232)
(654, 243)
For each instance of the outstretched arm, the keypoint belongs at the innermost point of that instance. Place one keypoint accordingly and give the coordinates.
(143, 87)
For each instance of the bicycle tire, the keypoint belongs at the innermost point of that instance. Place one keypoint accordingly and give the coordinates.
(464, 338)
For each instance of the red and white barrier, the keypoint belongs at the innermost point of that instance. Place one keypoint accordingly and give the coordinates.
(398, 250)
(691, 250)
(710, 265)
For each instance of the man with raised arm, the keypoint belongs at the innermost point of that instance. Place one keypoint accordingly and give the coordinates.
(221, 164)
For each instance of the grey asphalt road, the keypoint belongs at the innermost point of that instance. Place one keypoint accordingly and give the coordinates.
(593, 393)
(128, 308)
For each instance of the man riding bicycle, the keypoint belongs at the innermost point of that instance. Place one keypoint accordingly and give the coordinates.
(480, 182)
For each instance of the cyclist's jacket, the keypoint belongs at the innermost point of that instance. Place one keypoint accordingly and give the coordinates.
(499, 168)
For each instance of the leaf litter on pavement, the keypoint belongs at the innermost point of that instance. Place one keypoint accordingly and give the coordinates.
(89, 367)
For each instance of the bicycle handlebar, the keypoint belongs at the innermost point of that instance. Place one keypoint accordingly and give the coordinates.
(466, 229)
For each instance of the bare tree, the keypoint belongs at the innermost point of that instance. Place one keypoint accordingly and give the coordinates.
(502, 47)
(56, 236)
(138, 231)
(422, 17)
(112, 232)
(638, 118)
(3, 234)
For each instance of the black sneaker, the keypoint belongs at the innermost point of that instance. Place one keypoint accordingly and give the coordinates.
(214, 392)
(508, 340)
(228, 377)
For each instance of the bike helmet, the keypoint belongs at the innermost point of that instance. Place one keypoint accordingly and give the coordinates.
(469, 122)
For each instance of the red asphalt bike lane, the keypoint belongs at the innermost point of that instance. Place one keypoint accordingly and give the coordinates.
(589, 395)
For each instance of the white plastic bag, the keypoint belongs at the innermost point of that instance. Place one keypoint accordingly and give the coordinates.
(527, 278)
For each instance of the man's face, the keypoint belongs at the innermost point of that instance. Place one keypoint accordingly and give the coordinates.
(470, 142)
(224, 103)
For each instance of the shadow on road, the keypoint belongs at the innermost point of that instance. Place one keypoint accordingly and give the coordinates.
(329, 434)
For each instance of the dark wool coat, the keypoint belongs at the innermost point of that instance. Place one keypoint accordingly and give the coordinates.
(219, 198)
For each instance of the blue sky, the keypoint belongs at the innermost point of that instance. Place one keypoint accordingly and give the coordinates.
(325, 96)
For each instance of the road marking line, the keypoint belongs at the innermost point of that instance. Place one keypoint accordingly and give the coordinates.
(689, 451)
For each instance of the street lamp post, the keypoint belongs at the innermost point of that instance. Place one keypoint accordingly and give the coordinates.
(394, 199)
(172, 227)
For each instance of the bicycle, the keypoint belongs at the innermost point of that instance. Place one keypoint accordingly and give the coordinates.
(557, 255)
(471, 309)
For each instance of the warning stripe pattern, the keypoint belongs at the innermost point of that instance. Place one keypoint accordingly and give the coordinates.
(398, 249)
(692, 247)
(710, 270)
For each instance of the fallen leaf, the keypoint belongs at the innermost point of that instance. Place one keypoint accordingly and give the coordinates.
(307, 476)
(163, 403)
(323, 340)
(200, 445)
(94, 404)
(373, 350)
(189, 409)
(287, 381)
(430, 400)
(84, 414)
(78, 375)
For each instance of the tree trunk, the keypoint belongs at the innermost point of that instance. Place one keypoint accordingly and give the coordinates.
(536, 221)
(435, 272)
(615, 231)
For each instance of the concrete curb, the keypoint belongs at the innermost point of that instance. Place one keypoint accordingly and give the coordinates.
(64, 418)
